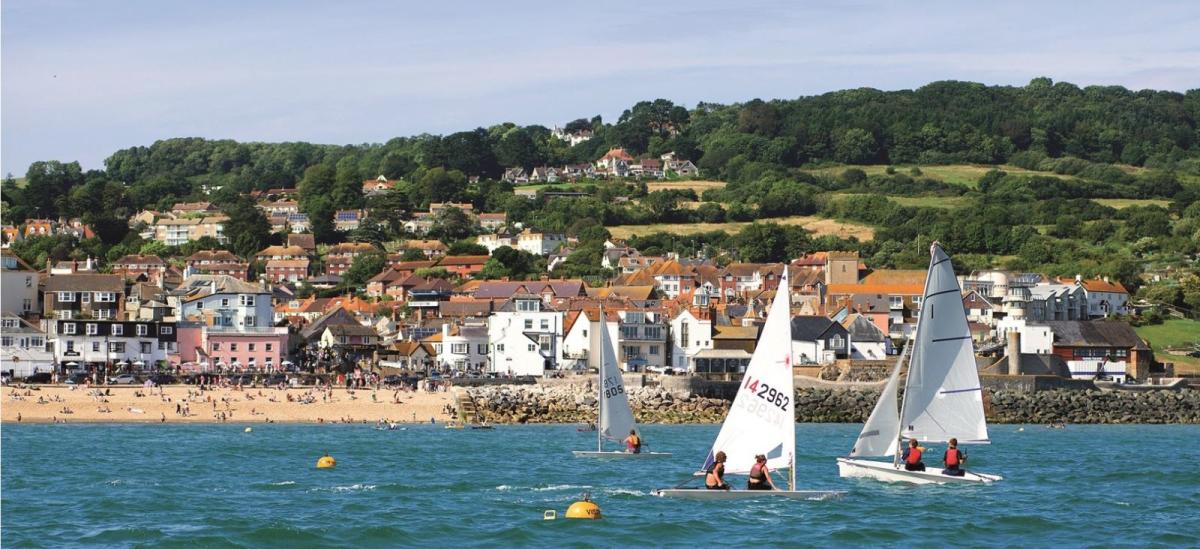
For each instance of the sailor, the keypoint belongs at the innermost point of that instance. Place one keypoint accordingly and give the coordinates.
(760, 475)
(714, 477)
(954, 459)
(633, 443)
(912, 457)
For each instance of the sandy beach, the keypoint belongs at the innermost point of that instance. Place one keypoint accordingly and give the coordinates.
(46, 403)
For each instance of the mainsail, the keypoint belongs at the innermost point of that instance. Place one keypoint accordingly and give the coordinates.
(616, 418)
(762, 418)
(943, 398)
(881, 433)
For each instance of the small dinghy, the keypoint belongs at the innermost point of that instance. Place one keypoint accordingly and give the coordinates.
(943, 398)
(616, 417)
(762, 419)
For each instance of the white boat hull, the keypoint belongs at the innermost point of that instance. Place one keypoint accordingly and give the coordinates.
(704, 494)
(619, 455)
(886, 472)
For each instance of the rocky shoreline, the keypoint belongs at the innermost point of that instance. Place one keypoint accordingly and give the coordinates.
(535, 404)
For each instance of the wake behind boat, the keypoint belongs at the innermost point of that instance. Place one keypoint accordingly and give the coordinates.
(943, 398)
(762, 417)
(616, 417)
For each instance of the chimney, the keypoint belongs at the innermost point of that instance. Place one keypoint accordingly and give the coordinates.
(1014, 353)
(1078, 278)
(1106, 279)
(445, 331)
(74, 266)
(88, 265)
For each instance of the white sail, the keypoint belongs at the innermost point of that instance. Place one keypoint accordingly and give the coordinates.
(762, 418)
(616, 417)
(881, 433)
(943, 398)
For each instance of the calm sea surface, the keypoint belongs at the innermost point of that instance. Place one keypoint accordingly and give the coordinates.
(198, 486)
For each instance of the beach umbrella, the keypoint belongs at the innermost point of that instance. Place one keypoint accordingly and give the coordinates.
(72, 364)
(287, 363)
(123, 363)
(139, 363)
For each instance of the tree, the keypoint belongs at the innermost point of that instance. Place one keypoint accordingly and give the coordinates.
(365, 266)
(855, 146)
(413, 255)
(517, 149)
(439, 185)
(451, 224)
(770, 242)
(247, 229)
(466, 247)
(710, 212)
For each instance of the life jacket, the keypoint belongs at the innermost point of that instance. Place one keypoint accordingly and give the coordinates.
(633, 442)
(713, 475)
(914, 456)
(952, 457)
(756, 471)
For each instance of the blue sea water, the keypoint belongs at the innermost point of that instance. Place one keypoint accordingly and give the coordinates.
(216, 486)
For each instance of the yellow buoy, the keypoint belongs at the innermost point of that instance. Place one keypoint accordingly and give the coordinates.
(249, 430)
(585, 509)
(326, 462)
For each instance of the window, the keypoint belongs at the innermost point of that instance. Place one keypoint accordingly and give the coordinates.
(247, 300)
(683, 333)
(6, 341)
(118, 329)
(270, 346)
(528, 324)
(166, 330)
(29, 282)
(635, 318)
(66, 297)
(116, 347)
(250, 321)
(216, 346)
(836, 342)
(141, 330)
(26, 305)
(224, 301)
(95, 346)
(69, 328)
(528, 305)
(199, 304)
(106, 297)
(85, 297)
(654, 349)
(545, 325)
(459, 348)
(532, 347)
(481, 349)
(36, 342)
(631, 351)
(146, 349)
(71, 346)
(895, 301)
(233, 346)
(91, 329)
(653, 332)
(500, 347)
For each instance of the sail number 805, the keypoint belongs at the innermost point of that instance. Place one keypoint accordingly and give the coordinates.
(767, 393)
(612, 388)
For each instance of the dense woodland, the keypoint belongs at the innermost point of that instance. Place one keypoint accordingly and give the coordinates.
(1072, 145)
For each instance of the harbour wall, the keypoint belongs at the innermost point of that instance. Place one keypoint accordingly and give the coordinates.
(576, 403)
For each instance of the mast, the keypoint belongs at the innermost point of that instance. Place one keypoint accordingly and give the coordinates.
(787, 293)
(600, 383)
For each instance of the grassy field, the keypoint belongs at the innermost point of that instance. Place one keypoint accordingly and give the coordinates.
(966, 175)
(1122, 203)
(947, 202)
(697, 185)
(1173, 333)
(818, 225)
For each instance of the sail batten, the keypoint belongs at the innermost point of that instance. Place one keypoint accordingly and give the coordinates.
(762, 417)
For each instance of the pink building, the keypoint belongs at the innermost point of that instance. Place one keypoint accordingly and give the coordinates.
(209, 348)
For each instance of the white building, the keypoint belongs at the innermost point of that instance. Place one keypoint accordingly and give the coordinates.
(538, 243)
(1104, 297)
(135, 345)
(493, 241)
(24, 348)
(867, 341)
(525, 337)
(224, 301)
(18, 285)
(691, 332)
(462, 348)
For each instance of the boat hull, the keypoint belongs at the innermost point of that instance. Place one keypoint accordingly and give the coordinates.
(619, 455)
(703, 494)
(886, 472)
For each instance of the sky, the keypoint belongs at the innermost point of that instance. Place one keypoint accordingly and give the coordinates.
(82, 79)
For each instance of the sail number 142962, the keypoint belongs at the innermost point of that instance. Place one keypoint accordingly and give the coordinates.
(767, 393)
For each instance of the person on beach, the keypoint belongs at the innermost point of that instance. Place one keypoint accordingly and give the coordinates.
(714, 476)
(954, 459)
(633, 443)
(912, 457)
(760, 475)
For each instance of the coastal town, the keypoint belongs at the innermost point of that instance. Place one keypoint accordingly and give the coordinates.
(435, 312)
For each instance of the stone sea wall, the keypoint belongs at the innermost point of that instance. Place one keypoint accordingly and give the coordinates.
(536, 404)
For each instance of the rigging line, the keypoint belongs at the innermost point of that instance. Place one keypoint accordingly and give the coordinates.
(943, 292)
(939, 340)
(962, 391)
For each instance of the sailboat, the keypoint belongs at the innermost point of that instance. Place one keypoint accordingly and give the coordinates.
(943, 398)
(762, 419)
(616, 417)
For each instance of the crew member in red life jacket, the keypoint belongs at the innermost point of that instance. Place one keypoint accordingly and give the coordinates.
(954, 459)
(912, 457)
(633, 443)
(760, 476)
